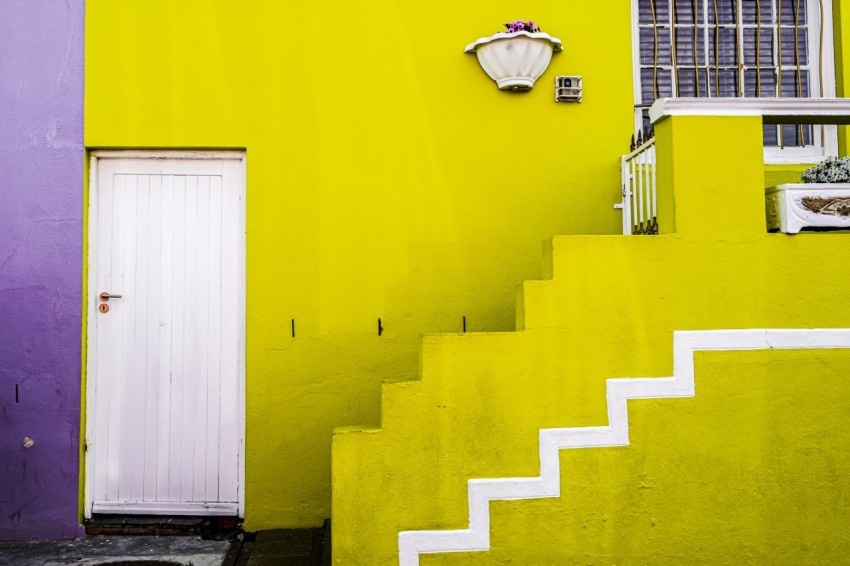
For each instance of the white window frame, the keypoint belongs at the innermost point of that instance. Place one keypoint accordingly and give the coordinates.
(825, 137)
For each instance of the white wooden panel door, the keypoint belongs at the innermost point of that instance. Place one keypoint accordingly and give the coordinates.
(166, 361)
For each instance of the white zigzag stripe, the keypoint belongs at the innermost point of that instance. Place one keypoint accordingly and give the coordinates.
(481, 491)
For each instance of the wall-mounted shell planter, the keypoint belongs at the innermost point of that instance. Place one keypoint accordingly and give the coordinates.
(515, 60)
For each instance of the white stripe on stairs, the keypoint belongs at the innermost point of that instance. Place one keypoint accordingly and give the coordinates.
(481, 491)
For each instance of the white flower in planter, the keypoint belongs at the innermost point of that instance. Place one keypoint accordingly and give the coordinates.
(830, 170)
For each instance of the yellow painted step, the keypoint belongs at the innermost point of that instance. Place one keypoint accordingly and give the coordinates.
(647, 284)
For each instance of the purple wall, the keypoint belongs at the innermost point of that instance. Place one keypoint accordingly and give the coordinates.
(41, 192)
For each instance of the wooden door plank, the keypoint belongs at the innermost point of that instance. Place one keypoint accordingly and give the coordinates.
(113, 349)
(128, 375)
(178, 332)
(199, 404)
(103, 331)
(189, 298)
(136, 387)
(152, 340)
(231, 331)
(214, 344)
(166, 318)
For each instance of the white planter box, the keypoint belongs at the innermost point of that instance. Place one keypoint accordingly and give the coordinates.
(792, 207)
(515, 60)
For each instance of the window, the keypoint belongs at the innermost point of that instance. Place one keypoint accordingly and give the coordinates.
(738, 48)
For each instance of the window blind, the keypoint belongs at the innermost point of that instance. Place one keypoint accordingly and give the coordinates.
(728, 48)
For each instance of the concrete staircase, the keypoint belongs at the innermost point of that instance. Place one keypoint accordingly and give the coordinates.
(492, 411)
(469, 464)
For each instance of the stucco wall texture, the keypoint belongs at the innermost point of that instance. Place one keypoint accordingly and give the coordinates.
(41, 176)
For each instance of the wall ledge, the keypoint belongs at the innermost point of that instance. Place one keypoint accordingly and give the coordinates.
(773, 110)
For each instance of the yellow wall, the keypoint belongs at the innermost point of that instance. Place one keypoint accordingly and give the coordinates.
(387, 177)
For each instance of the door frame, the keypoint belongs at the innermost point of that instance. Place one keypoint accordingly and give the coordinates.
(90, 304)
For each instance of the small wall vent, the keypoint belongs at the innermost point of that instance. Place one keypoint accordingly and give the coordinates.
(568, 89)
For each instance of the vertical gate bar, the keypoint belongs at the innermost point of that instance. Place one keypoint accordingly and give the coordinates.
(639, 185)
(645, 183)
(655, 55)
(633, 187)
(627, 201)
(654, 183)
(648, 184)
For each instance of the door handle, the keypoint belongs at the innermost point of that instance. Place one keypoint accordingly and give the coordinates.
(105, 296)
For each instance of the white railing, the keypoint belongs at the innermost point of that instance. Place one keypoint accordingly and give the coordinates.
(640, 203)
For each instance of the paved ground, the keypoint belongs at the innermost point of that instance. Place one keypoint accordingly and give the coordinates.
(301, 547)
(116, 550)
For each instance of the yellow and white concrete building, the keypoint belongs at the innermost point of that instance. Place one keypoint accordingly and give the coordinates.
(392, 348)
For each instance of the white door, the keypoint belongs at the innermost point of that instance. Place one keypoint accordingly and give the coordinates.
(165, 385)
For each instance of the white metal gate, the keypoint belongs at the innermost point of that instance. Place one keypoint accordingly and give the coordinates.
(640, 195)
(165, 383)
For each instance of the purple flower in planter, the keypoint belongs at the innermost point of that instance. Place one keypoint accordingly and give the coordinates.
(520, 25)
